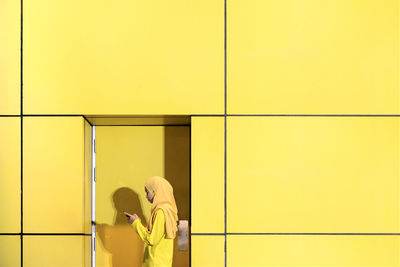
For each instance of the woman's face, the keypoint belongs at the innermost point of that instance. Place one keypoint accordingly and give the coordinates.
(149, 196)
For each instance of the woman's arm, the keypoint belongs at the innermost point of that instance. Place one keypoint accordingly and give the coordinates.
(157, 232)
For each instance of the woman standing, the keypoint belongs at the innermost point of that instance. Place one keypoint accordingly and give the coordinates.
(162, 226)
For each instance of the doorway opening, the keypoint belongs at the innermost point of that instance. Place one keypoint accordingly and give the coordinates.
(126, 151)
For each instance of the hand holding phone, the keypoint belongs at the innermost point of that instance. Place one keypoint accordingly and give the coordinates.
(131, 218)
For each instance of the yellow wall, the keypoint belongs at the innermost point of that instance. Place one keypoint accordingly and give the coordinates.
(313, 174)
(382, 251)
(10, 29)
(207, 162)
(56, 251)
(10, 174)
(10, 250)
(312, 179)
(125, 57)
(54, 190)
(313, 57)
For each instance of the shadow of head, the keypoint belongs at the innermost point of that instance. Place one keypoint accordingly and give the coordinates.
(125, 199)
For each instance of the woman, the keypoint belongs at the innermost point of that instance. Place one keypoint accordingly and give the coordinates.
(162, 226)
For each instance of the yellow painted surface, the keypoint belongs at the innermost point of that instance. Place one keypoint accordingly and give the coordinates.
(126, 156)
(284, 174)
(313, 57)
(208, 251)
(207, 174)
(313, 174)
(87, 205)
(125, 57)
(10, 175)
(10, 251)
(56, 251)
(87, 251)
(311, 251)
(10, 56)
(53, 174)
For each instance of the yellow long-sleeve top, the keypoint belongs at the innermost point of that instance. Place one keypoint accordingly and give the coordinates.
(159, 249)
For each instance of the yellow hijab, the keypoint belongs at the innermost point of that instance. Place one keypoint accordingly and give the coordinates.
(163, 198)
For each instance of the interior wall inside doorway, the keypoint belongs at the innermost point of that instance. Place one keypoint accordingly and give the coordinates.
(126, 157)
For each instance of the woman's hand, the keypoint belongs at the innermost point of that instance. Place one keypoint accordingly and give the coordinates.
(131, 218)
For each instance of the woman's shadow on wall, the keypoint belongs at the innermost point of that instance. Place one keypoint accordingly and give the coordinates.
(120, 239)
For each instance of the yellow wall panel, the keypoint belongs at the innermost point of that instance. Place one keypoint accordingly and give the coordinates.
(130, 57)
(10, 56)
(208, 251)
(10, 251)
(207, 174)
(56, 251)
(313, 174)
(313, 250)
(313, 57)
(53, 174)
(10, 174)
(126, 156)
(87, 251)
